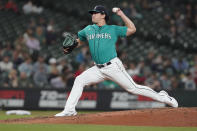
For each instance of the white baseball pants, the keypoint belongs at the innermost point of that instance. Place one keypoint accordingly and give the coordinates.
(115, 72)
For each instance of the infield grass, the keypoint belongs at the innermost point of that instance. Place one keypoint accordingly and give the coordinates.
(3, 116)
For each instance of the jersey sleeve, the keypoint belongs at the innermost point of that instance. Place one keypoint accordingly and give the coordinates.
(121, 31)
(82, 35)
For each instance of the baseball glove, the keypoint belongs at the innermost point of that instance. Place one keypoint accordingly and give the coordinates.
(69, 43)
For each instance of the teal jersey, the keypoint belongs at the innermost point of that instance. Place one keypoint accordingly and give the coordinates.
(102, 41)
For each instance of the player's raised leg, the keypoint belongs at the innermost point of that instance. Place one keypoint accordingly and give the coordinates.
(119, 75)
(88, 77)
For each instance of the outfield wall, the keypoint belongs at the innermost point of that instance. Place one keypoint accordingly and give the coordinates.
(42, 99)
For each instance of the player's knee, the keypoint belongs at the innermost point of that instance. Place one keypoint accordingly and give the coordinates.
(80, 80)
(133, 89)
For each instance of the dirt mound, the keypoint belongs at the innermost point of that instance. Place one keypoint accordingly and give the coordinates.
(145, 117)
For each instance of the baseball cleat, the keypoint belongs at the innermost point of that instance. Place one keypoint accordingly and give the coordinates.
(169, 100)
(66, 113)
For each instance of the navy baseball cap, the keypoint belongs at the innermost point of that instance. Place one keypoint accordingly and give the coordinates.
(100, 9)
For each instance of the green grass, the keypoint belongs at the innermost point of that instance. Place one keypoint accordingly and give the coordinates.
(47, 127)
(69, 127)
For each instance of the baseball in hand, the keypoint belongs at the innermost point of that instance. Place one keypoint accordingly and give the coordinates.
(115, 9)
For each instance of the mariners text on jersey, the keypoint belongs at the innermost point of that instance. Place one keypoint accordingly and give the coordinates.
(102, 36)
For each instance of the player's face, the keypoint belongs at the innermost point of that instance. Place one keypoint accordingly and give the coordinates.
(97, 17)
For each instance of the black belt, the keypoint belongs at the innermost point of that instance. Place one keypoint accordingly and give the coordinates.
(103, 65)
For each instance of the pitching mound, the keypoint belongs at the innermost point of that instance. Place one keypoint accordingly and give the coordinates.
(146, 117)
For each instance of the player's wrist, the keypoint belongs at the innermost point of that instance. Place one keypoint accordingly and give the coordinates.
(76, 43)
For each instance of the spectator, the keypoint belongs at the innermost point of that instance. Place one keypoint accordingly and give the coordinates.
(149, 58)
(40, 76)
(133, 70)
(40, 62)
(53, 71)
(33, 44)
(69, 78)
(42, 23)
(126, 9)
(28, 32)
(19, 44)
(168, 67)
(189, 82)
(51, 26)
(13, 78)
(11, 5)
(175, 82)
(29, 8)
(6, 65)
(63, 64)
(143, 69)
(139, 79)
(17, 59)
(59, 81)
(40, 36)
(81, 69)
(38, 4)
(173, 32)
(9, 79)
(193, 71)
(67, 71)
(133, 12)
(24, 81)
(32, 24)
(165, 82)
(7, 51)
(153, 82)
(180, 65)
(50, 35)
(81, 57)
(87, 56)
(26, 67)
(158, 63)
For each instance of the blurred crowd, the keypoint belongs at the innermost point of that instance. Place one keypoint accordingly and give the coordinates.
(161, 72)
(30, 6)
(178, 15)
(10, 5)
(23, 63)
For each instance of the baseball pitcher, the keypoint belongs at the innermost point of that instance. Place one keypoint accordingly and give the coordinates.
(102, 39)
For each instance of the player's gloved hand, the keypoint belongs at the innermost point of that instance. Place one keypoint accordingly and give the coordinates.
(69, 49)
(69, 43)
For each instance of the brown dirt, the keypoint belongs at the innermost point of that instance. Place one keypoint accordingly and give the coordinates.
(146, 117)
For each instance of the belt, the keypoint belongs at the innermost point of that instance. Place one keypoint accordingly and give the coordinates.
(103, 65)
